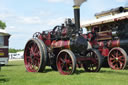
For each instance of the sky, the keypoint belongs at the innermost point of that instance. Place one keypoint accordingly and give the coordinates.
(25, 17)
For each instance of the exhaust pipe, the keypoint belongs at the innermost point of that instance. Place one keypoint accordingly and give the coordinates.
(77, 4)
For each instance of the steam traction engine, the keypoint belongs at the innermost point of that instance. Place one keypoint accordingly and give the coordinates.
(109, 35)
(64, 48)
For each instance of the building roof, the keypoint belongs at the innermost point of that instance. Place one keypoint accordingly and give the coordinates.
(103, 20)
(3, 32)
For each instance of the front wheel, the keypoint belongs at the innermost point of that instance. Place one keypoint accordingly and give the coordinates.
(93, 62)
(117, 58)
(35, 55)
(66, 62)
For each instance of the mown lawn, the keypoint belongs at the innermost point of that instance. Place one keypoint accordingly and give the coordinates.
(14, 74)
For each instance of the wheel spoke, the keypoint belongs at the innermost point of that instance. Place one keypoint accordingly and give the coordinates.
(62, 60)
(111, 59)
(121, 64)
(62, 65)
(121, 58)
(66, 57)
(113, 56)
(37, 54)
(117, 53)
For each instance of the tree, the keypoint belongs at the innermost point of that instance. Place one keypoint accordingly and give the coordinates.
(12, 50)
(2, 25)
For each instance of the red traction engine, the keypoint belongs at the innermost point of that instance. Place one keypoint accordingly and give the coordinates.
(109, 35)
(64, 48)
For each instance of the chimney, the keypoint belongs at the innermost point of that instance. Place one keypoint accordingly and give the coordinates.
(77, 4)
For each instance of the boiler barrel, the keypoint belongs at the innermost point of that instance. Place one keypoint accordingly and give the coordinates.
(76, 45)
(118, 43)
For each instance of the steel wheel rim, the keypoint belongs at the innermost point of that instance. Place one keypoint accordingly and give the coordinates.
(65, 65)
(116, 59)
(32, 57)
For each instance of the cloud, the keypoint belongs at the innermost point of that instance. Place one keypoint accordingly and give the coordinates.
(30, 20)
(121, 0)
(57, 21)
(4, 15)
(22, 27)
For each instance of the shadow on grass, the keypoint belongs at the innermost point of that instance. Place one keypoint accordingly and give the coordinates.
(79, 71)
(103, 71)
(2, 76)
(113, 72)
(11, 65)
(2, 79)
(49, 70)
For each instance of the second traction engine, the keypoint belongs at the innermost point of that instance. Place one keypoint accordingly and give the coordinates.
(63, 48)
(109, 35)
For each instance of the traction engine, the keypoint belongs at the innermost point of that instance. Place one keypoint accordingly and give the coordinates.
(64, 48)
(109, 35)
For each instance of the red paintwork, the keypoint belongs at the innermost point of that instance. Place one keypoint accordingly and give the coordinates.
(64, 31)
(46, 38)
(86, 59)
(105, 52)
(90, 36)
(61, 44)
(115, 43)
(101, 44)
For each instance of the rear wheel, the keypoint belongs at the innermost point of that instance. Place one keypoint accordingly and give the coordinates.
(35, 55)
(66, 62)
(117, 58)
(93, 62)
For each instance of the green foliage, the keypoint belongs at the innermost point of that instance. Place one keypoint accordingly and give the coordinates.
(12, 50)
(2, 25)
(15, 74)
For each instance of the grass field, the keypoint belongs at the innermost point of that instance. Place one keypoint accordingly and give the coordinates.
(14, 74)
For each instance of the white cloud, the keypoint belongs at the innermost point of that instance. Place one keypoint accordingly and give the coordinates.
(22, 27)
(30, 20)
(4, 15)
(57, 21)
(121, 0)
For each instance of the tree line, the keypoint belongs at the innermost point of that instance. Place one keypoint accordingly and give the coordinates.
(12, 50)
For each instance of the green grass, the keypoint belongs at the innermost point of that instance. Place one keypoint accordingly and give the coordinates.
(14, 74)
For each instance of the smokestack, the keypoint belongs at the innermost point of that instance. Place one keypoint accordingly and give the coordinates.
(77, 4)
